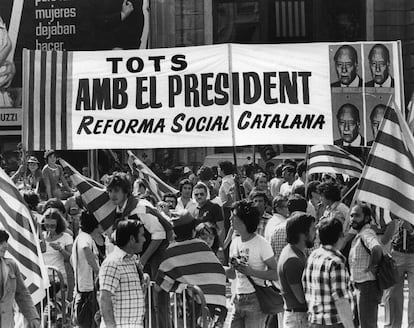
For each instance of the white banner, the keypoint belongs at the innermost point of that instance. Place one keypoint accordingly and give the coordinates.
(195, 96)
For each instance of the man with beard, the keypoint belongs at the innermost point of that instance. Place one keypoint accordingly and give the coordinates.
(300, 232)
(365, 254)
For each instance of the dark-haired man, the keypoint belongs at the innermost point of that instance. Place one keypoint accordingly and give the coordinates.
(156, 226)
(348, 125)
(346, 65)
(206, 210)
(122, 301)
(259, 199)
(365, 254)
(288, 173)
(300, 234)
(379, 64)
(326, 280)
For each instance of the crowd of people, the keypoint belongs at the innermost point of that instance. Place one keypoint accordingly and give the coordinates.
(284, 228)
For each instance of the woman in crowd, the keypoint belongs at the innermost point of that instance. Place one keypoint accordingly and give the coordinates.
(32, 178)
(55, 181)
(251, 255)
(58, 242)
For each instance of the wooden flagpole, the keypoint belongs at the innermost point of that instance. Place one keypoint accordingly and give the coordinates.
(237, 192)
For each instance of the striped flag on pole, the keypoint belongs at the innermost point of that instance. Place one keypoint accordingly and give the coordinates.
(152, 182)
(94, 196)
(46, 104)
(388, 177)
(24, 245)
(410, 117)
(333, 159)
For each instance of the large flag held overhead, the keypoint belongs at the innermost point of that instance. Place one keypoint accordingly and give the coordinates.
(152, 182)
(94, 196)
(24, 245)
(388, 177)
(333, 159)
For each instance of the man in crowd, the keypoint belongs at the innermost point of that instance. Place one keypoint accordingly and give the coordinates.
(288, 173)
(122, 301)
(300, 233)
(314, 199)
(277, 181)
(375, 118)
(280, 214)
(13, 290)
(171, 200)
(330, 196)
(300, 181)
(226, 194)
(379, 64)
(326, 281)
(156, 226)
(191, 261)
(185, 202)
(248, 183)
(259, 199)
(206, 211)
(296, 203)
(403, 254)
(365, 254)
(349, 125)
(346, 65)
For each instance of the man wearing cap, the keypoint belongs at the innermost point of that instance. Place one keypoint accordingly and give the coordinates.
(12, 289)
(53, 176)
(190, 261)
(288, 172)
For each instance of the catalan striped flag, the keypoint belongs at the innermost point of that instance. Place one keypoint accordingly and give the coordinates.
(94, 196)
(388, 177)
(333, 159)
(24, 245)
(47, 106)
(410, 115)
(152, 182)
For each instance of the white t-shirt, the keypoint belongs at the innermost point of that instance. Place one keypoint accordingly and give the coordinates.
(286, 189)
(254, 253)
(83, 271)
(275, 184)
(271, 225)
(53, 257)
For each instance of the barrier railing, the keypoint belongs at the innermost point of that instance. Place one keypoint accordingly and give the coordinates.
(56, 312)
(184, 309)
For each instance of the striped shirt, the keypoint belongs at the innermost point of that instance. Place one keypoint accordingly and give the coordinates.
(119, 275)
(325, 280)
(192, 262)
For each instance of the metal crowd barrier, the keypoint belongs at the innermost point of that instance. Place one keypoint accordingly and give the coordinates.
(56, 312)
(185, 309)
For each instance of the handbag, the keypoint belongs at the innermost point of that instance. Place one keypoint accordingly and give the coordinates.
(270, 300)
(387, 273)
